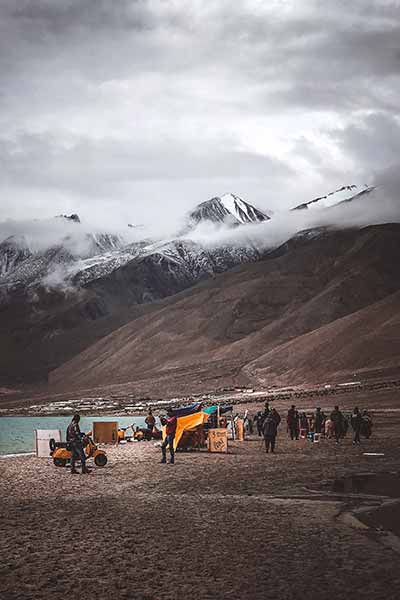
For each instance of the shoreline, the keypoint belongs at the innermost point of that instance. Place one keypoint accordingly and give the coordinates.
(112, 405)
(205, 501)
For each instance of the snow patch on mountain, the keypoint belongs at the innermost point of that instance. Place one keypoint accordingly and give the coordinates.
(346, 193)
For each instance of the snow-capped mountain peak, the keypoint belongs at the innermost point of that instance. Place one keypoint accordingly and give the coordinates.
(244, 212)
(228, 209)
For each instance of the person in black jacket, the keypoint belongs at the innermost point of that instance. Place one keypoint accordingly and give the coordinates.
(356, 423)
(339, 423)
(74, 438)
(319, 420)
(270, 430)
(259, 421)
(293, 422)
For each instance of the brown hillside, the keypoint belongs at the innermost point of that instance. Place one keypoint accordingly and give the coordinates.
(240, 317)
(367, 340)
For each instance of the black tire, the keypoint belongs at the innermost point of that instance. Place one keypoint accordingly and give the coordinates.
(60, 462)
(52, 444)
(100, 460)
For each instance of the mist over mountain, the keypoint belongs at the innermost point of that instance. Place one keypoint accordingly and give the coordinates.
(65, 283)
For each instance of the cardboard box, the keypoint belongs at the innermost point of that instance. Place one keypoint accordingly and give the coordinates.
(218, 440)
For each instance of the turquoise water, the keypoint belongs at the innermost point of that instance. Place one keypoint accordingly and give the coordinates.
(17, 433)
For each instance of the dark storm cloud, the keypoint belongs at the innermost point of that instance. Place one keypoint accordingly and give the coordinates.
(283, 97)
(50, 16)
(374, 140)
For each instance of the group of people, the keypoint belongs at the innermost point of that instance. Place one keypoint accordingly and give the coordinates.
(76, 439)
(267, 423)
(336, 425)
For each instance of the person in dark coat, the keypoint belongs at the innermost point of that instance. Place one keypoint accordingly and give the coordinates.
(74, 439)
(366, 425)
(270, 430)
(319, 420)
(259, 421)
(339, 425)
(356, 423)
(293, 422)
(304, 423)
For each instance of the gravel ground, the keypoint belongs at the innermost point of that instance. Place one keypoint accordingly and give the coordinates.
(243, 525)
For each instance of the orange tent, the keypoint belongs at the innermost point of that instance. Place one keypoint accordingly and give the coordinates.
(187, 423)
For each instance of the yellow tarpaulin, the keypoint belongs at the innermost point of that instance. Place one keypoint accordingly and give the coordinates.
(187, 423)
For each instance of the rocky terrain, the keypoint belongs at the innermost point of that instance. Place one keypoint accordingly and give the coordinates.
(56, 301)
(296, 515)
(319, 307)
(59, 295)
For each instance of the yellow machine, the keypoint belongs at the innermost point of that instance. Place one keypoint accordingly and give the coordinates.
(61, 453)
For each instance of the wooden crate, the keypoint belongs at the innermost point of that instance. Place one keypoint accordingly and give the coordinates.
(105, 432)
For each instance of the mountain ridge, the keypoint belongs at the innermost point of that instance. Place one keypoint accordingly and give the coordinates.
(227, 324)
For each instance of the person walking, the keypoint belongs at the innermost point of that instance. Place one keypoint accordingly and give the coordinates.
(338, 422)
(74, 439)
(270, 430)
(356, 423)
(293, 422)
(170, 429)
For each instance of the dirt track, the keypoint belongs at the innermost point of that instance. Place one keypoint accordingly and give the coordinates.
(212, 526)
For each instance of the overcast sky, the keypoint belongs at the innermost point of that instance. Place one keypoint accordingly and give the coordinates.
(122, 110)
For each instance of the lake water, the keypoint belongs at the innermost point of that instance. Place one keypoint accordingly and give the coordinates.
(17, 433)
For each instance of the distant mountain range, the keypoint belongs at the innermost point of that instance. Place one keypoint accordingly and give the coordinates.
(318, 309)
(57, 300)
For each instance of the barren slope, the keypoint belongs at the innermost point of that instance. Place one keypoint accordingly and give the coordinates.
(243, 315)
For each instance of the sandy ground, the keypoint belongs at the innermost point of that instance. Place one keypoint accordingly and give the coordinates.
(244, 525)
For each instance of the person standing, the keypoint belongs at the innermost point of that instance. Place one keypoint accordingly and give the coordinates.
(150, 422)
(319, 420)
(270, 430)
(74, 438)
(304, 423)
(366, 424)
(337, 419)
(293, 422)
(170, 429)
(356, 423)
(259, 421)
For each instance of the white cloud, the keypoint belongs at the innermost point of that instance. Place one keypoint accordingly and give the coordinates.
(138, 109)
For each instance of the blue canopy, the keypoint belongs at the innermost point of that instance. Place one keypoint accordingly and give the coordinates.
(213, 409)
(187, 410)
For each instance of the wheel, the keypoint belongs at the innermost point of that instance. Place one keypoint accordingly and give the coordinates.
(52, 444)
(100, 460)
(60, 462)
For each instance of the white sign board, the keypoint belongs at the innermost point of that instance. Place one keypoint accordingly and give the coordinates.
(42, 437)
